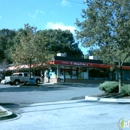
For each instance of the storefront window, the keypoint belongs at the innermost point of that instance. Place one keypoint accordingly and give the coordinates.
(76, 72)
(98, 73)
(68, 73)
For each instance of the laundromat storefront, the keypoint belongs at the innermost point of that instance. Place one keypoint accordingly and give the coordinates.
(67, 69)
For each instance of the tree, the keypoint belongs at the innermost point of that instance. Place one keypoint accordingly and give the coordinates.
(6, 41)
(29, 49)
(106, 26)
(60, 41)
(23, 51)
(31, 46)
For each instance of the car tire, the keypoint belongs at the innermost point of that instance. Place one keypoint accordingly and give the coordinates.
(10, 83)
(38, 81)
(16, 82)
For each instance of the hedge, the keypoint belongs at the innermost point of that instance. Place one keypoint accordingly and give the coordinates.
(109, 87)
(126, 89)
(113, 87)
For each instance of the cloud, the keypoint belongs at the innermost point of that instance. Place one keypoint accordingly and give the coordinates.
(65, 3)
(32, 15)
(51, 25)
(36, 13)
(39, 11)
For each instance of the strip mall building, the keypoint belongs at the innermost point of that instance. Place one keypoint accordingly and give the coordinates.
(80, 70)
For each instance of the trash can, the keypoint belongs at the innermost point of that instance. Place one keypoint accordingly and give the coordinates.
(32, 81)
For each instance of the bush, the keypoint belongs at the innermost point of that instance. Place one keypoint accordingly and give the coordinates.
(126, 89)
(113, 87)
(109, 87)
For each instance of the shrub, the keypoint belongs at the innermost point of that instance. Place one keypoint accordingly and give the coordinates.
(126, 89)
(109, 87)
(113, 87)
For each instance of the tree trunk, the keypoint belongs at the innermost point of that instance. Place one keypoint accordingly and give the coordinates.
(30, 68)
(120, 77)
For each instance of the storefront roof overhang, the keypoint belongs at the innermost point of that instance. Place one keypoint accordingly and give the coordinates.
(84, 63)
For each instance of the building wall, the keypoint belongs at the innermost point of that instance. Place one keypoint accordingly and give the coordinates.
(65, 73)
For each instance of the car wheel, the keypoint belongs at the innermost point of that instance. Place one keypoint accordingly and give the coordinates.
(37, 81)
(16, 82)
(10, 83)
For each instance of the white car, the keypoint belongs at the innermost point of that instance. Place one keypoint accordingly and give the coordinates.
(6, 80)
(3, 81)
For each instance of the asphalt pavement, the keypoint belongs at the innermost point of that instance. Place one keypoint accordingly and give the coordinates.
(69, 115)
(90, 113)
(46, 93)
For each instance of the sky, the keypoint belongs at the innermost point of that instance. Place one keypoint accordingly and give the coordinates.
(43, 14)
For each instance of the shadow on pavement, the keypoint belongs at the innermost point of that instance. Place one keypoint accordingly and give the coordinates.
(48, 87)
(29, 89)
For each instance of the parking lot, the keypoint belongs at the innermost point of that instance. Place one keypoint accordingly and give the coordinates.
(46, 93)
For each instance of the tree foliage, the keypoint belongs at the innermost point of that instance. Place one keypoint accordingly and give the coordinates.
(60, 41)
(29, 48)
(29, 45)
(40, 46)
(6, 41)
(21, 45)
(106, 27)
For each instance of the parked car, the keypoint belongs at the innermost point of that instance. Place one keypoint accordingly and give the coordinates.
(23, 77)
(1, 77)
(3, 81)
(6, 80)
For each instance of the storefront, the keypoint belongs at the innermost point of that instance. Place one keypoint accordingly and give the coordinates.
(67, 69)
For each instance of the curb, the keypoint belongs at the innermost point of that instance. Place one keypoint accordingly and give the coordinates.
(9, 114)
(57, 102)
(111, 100)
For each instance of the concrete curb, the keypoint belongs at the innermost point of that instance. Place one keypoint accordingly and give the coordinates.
(9, 114)
(57, 102)
(111, 100)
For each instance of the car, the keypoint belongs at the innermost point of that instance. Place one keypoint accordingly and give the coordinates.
(3, 81)
(0, 77)
(6, 80)
(23, 77)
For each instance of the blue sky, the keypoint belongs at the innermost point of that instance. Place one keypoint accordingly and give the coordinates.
(43, 14)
